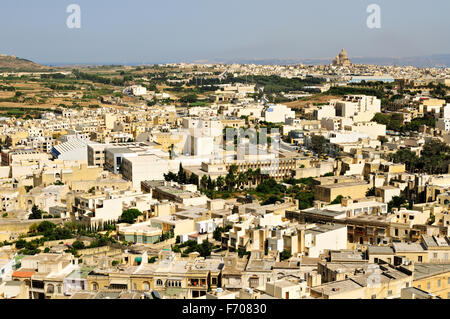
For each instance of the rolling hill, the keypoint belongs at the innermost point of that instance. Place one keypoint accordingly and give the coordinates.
(14, 64)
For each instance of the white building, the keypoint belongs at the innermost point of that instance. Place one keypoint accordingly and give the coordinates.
(135, 90)
(372, 129)
(207, 226)
(320, 238)
(324, 111)
(73, 150)
(360, 108)
(6, 268)
(278, 113)
(144, 168)
(443, 123)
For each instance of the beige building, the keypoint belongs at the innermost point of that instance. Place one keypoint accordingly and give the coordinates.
(328, 193)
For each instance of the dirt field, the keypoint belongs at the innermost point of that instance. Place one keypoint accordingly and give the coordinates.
(317, 98)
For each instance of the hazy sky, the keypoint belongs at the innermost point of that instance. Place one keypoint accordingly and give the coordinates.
(154, 31)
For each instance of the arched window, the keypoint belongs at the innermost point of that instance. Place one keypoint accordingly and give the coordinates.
(159, 282)
(146, 285)
(50, 289)
(94, 286)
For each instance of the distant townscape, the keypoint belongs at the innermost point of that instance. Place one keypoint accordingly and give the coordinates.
(224, 181)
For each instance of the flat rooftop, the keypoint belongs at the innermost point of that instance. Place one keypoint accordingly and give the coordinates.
(427, 270)
(324, 228)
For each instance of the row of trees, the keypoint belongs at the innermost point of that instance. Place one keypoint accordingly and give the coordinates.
(394, 122)
(100, 79)
(434, 159)
(204, 249)
(181, 177)
(233, 180)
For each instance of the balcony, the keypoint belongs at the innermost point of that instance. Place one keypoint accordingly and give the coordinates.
(197, 283)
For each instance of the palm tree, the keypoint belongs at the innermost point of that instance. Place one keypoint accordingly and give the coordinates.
(242, 179)
(258, 175)
(251, 176)
(220, 182)
(230, 181)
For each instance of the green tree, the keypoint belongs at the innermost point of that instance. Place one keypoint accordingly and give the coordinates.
(285, 254)
(205, 248)
(46, 227)
(397, 201)
(36, 213)
(193, 179)
(318, 144)
(220, 182)
(337, 200)
(77, 245)
(370, 191)
(204, 181)
(129, 216)
(272, 200)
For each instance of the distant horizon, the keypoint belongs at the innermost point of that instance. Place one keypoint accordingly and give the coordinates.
(240, 60)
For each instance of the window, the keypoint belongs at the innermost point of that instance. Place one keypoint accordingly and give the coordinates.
(420, 259)
(390, 293)
(159, 282)
(50, 289)
(254, 282)
(374, 296)
(94, 286)
(435, 255)
(439, 283)
(428, 285)
(146, 285)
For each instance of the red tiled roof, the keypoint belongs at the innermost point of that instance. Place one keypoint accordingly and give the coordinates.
(23, 274)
